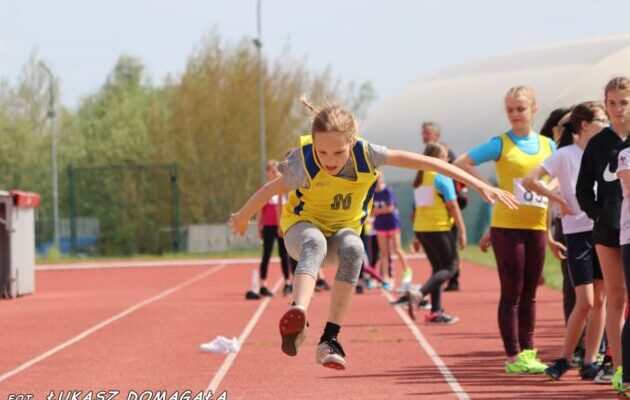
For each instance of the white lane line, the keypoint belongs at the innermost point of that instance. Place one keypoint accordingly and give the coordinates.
(146, 264)
(229, 359)
(106, 322)
(204, 262)
(433, 355)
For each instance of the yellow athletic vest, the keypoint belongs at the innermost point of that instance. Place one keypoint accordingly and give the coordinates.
(431, 212)
(331, 203)
(512, 167)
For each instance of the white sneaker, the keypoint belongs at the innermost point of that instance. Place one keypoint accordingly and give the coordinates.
(605, 375)
(404, 287)
(233, 345)
(221, 345)
(330, 354)
(415, 287)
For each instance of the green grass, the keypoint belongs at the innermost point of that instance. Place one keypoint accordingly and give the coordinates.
(55, 258)
(552, 272)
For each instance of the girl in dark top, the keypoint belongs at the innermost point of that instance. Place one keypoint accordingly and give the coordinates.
(599, 166)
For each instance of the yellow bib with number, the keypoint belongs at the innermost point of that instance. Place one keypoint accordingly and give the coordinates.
(512, 167)
(331, 202)
(431, 212)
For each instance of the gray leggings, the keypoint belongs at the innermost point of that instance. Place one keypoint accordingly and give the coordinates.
(307, 244)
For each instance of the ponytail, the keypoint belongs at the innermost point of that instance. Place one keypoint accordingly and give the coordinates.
(307, 104)
(433, 149)
(566, 138)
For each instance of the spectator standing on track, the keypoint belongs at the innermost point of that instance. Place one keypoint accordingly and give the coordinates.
(331, 180)
(518, 237)
(431, 132)
(552, 129)
(583, 271)
(387, 227)
(268, 231)
(436, 211)
(599, 165)
(621, 380)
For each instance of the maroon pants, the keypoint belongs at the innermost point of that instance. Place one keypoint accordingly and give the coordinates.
(520, 256)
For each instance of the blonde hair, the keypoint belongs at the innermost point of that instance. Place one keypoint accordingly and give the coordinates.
(522, 91)
(433, 149)
(332, 118)
(617, 83)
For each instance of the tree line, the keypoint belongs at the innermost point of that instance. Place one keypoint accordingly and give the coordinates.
(204, 120)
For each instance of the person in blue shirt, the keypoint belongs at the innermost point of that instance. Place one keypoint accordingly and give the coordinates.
(518, 236)
(435, 214)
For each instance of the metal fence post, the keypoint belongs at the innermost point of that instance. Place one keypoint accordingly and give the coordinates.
(175, 236)
(72, 208)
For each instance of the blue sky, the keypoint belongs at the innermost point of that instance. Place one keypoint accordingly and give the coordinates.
(390, 42)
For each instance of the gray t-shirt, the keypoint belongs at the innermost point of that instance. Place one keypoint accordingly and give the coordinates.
(295, 177)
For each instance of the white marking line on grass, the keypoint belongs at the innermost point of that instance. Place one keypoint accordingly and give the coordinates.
(106, 322)
(229, 360)
(426, 346)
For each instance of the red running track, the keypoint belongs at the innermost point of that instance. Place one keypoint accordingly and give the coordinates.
(140, 329)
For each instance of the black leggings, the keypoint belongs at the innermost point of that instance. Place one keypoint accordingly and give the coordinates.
(270, 233)
(568, 292)
(455, 237)
(442, 254)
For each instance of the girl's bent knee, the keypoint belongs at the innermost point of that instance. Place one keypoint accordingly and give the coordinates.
(348, 273)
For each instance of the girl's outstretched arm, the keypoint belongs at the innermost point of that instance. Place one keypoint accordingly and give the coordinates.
(406, 159)
(466, 163)
(240, 219)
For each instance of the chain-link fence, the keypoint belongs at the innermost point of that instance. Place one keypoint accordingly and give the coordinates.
(120, 210)
(133, 209)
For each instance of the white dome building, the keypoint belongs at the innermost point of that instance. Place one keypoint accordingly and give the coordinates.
(467, 102)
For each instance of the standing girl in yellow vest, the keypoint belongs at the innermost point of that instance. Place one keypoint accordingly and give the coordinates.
(331, 179)
(518, 237)
(436, 212)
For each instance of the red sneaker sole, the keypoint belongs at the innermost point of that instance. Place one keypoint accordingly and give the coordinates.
(291, 325)
(334, 365)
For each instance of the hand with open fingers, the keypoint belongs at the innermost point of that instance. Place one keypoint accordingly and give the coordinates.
(558, 249)
(239, 224)
(492, 195)
(484, 242)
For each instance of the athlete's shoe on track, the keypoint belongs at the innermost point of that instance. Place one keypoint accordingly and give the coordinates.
(293, 328)
(330, 354)
(526, 362)
(440, 318)
(557, 368)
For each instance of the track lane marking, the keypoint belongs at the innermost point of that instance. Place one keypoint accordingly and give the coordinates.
(433, 355)
(107, 322)
(229, 359)
(203, 262)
